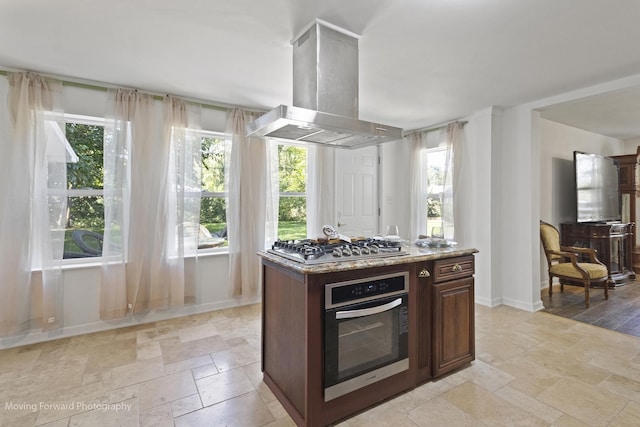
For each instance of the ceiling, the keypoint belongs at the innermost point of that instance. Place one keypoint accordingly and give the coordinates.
(422, 62)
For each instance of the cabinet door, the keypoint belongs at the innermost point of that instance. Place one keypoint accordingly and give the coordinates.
(453, 325)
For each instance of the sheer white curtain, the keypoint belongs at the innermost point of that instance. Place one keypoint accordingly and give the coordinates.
(251, 178)
(320, 188)
(418, 183)
(149, 160)
(451, 204)
(32, 205)
(453, 136)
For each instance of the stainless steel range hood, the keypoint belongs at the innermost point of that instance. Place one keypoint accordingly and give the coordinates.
(325, 95)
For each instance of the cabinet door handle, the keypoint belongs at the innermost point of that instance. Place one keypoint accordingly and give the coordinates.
(456, 268)
(424, 273)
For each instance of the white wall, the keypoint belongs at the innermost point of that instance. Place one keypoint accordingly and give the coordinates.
(394, 186)
(557, 185)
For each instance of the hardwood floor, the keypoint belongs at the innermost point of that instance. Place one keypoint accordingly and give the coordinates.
(621, 312)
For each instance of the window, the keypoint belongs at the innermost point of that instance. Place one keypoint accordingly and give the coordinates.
(435, 162)
(292, 211)
(212, 204)
(85, 203)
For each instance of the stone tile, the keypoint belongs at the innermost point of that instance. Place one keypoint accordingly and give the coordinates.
(528, 371)
(418, 396)
(382, 415)
(489, 408)
(108, 415)
(566, 364)
(486, 375)
(156, 334)
(160, 416)
(94, 339)
(137, 372)
(148, 350)
(425, 415)
(623, 386)
(204, 371)
(113, 354)
(529, 404)
(12, 361)
(60, 423)
(166, 389)
(124, 393)
(72, 401)
(629, 416)
(246, 410)
(174, 351)
(582, 401)
(235, 357)
(223, 386)
(185, 365)
(197, 332)
(186, 404)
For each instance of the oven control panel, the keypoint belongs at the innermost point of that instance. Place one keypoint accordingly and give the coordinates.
(365, 289)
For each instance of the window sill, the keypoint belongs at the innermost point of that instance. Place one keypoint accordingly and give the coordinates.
(94, 262)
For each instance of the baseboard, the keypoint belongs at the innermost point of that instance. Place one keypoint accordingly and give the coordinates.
(37, 336)
(489, 302)
(523, 305)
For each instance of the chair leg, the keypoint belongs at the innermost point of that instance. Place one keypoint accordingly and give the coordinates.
(586, 293)
(606, 289)
(550, 285)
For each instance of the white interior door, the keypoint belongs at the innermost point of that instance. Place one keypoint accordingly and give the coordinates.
(357, 206)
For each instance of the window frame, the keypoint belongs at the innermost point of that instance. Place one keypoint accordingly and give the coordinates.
(83, 192)
(215, 194)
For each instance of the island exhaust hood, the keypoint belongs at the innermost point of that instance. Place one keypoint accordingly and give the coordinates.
(325, 95)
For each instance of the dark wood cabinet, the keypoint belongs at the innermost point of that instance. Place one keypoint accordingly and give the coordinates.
(612, 242)
(446, 337)
(453, 314)
(629, 173)
(441, 331)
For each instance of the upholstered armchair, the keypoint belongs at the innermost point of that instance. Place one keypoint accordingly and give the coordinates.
(565, 263)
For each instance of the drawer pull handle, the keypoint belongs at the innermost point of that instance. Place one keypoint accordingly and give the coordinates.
(424, 273)
(456, 268)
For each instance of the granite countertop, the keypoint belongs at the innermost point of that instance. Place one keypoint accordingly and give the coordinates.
(413, 254)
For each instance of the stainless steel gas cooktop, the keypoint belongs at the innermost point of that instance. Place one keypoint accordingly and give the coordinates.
(311, 251)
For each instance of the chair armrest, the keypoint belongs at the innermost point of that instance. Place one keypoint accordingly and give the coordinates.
(590, 251)
(573, 257)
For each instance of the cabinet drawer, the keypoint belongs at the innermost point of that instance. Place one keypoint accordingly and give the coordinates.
(453, 268)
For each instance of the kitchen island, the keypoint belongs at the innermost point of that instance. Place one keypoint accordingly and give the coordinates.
(439, 327)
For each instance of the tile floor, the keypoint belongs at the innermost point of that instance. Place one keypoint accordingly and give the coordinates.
(532, 369)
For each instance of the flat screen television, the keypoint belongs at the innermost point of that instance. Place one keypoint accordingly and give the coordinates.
(597, 196)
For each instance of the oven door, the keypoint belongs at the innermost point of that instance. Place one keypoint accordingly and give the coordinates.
(364, 343)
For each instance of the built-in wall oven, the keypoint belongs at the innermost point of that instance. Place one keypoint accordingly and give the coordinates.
(366, 332)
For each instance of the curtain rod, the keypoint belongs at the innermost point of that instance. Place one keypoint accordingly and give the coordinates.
(103, 87)
(434, 127)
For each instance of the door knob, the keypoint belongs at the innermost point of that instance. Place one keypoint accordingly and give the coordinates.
(341, 224)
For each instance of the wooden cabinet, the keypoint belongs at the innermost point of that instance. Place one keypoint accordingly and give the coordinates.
(453, 314)
(629, 172)
(613, 243)
(446, 328)
(441, 330)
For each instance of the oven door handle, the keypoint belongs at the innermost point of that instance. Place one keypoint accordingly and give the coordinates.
(350, 314)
